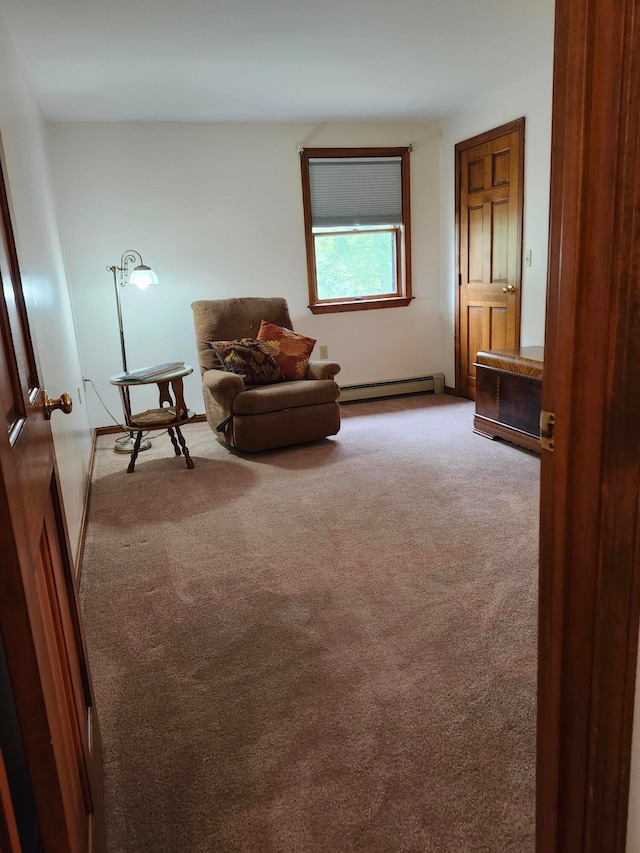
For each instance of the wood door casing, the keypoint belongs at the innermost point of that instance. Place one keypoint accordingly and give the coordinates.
(39, 612)
(489, 209)
(9, 840)
(589, 602)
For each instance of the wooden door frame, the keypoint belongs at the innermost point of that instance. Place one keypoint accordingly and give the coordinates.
(487, 136)
(39, 606)
(9, 839)
(590, 495)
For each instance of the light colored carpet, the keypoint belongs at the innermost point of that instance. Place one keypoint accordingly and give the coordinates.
(324, 648)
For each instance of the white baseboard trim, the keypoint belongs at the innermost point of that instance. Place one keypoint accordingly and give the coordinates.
(433, 383)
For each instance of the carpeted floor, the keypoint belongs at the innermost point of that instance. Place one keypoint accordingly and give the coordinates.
(325, 648)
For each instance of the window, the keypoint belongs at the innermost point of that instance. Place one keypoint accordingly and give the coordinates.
(357, 227)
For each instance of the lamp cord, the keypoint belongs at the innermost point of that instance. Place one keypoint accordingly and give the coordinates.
(116, 422)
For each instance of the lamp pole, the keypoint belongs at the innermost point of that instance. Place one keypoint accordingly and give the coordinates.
(120, 277)
(115, 269)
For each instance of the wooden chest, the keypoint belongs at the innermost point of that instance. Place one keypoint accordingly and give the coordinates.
(509, 395)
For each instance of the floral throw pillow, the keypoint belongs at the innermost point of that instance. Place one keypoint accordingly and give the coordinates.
(248, 358)
(290, 350)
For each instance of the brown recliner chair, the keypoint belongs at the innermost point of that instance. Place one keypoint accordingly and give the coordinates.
(260, 417)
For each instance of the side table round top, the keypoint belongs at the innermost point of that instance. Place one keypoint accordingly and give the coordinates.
(126, 379)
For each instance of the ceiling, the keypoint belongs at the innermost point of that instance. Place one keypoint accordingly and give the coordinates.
(273, 60)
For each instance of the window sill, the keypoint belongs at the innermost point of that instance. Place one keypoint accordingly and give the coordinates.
(360, 305)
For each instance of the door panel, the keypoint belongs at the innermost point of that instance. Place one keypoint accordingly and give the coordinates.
(476, 174)
(475, 334)
(63, 721)
(489, 215)
(39, 612)
(500, 241)
(500, 162)
(475, 241)
(498, 327)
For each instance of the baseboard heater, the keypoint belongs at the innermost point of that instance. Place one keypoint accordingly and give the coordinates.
(433, 384)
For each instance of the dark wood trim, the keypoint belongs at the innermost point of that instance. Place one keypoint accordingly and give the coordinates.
(308, 239)
(361, 305)
(511, 127)
(406, 282)
(361, 151)
(521, 123)
(488, 135)
(590, 490)
(108, 430)
(404, 296)
(9, 839)
(457, 190)
(451, 391)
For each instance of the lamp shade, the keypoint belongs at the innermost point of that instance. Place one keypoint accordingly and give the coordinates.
(142, 276)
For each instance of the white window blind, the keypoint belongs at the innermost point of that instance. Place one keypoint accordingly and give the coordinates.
(349, 191)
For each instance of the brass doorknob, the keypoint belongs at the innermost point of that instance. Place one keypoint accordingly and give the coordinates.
(509, 289)
(64, 403)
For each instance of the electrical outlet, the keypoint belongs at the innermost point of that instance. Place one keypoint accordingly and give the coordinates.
(324, 351)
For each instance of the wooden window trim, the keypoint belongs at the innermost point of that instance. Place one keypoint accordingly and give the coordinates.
(403, 250)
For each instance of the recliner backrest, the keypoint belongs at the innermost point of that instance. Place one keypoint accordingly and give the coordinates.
(229, 319)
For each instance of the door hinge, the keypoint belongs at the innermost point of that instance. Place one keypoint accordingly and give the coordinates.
(547, 422)
(459, 279)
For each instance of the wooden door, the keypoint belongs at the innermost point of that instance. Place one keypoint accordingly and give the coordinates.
(489, 174)
(49, 690)
(589, 599)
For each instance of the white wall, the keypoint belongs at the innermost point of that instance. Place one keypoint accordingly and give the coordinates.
(43, 276)
(530, 98)
(216, 210)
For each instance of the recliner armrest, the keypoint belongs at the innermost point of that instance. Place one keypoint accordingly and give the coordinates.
(223, 385)
(322, 369)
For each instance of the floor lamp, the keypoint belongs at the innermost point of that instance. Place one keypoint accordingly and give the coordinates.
(141, 276)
